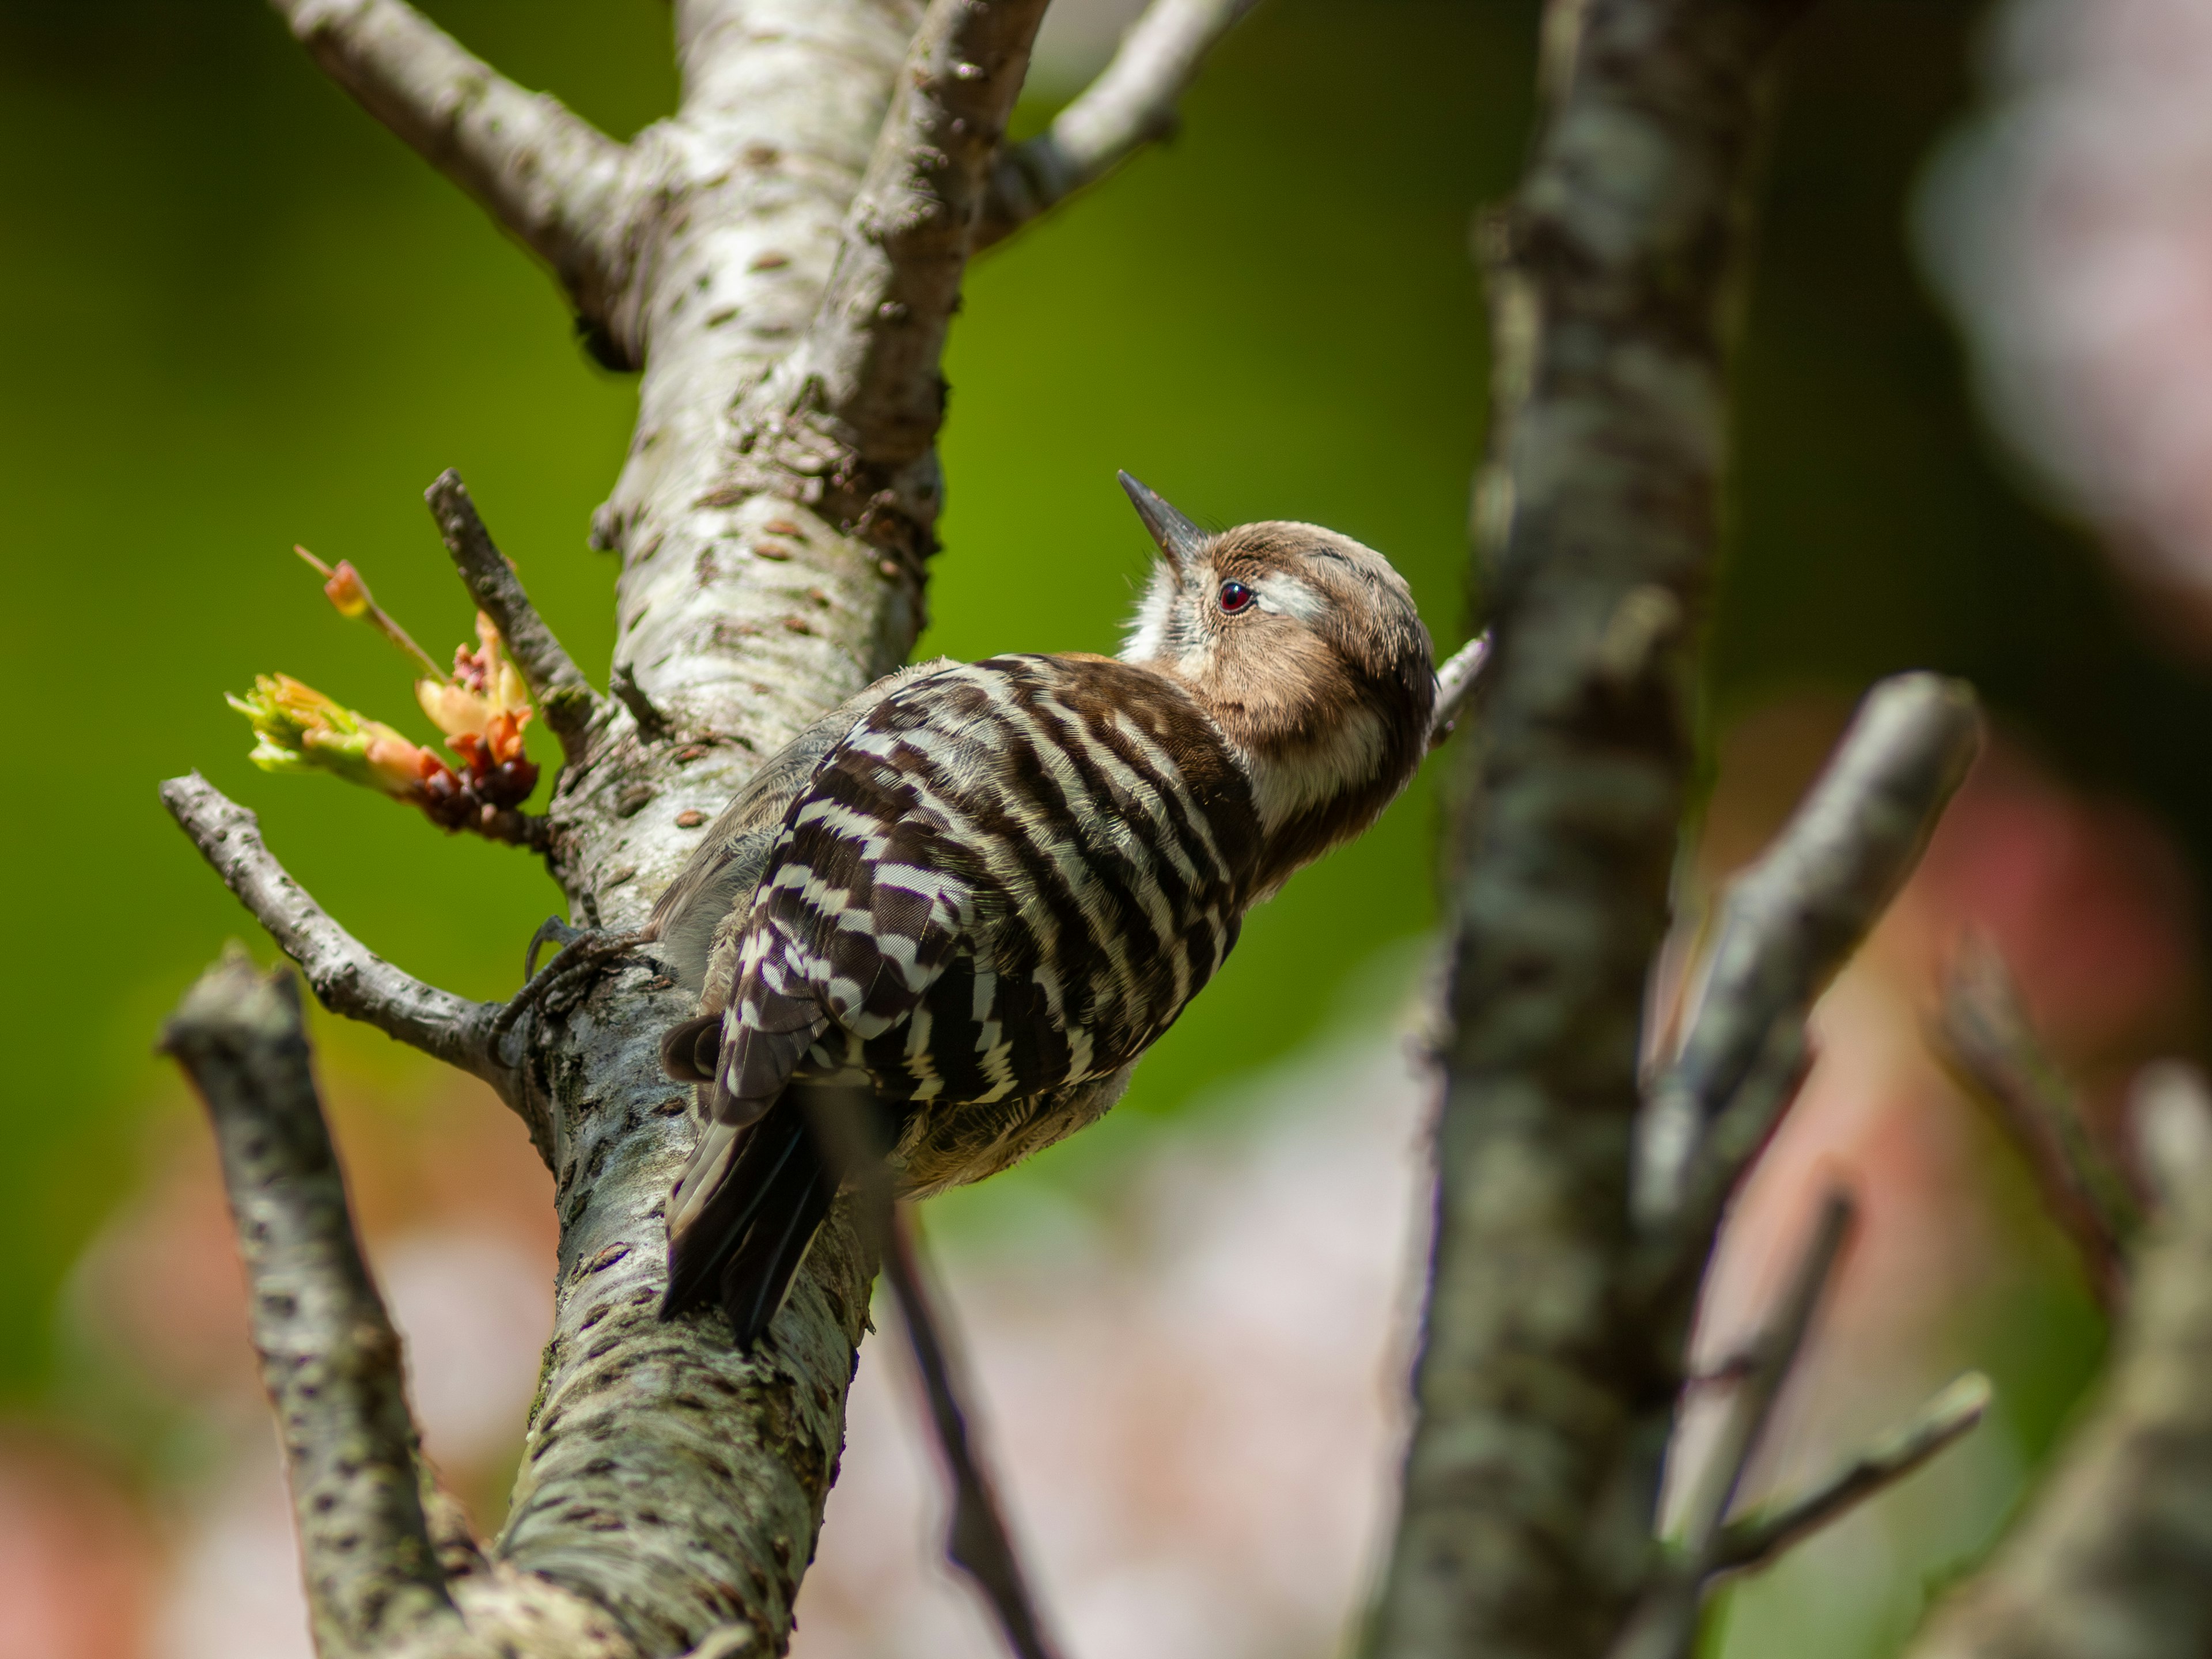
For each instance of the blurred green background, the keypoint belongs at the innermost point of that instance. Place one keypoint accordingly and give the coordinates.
(239, 315)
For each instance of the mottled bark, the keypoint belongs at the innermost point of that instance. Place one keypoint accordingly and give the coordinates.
(1526, 1523)
(782, 256)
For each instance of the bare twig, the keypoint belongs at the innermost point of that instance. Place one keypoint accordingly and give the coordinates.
(329, 1358)
(977, 1540)
(1752, 1540)
(1664, 1624)
(559, 686)
(347, 978)
(551, 180)
(1455, 682)
(1984, 1033)
(2114, 1556)
(1795, 917)
(1769, 1361)
(1131, 104)
(865, 380)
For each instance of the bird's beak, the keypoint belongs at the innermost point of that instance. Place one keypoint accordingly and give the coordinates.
(1178, 537)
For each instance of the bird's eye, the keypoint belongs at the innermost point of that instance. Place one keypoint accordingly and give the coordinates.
(1236, 596)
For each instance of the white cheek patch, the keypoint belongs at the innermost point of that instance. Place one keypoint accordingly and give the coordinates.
(1287, 596)
(1151, 629)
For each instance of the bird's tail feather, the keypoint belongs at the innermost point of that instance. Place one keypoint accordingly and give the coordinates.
(738, 1240)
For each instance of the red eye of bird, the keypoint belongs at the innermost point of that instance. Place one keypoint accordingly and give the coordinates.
(1235, 597)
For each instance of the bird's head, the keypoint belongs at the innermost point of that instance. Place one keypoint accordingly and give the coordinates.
(1306, 650)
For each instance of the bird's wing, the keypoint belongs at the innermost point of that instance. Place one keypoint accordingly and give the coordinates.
(723, 872)
(867, 897)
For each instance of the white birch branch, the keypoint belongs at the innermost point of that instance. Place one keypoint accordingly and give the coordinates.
(551, 180)
(348, 977)
(1133, 103)
(329, 1358)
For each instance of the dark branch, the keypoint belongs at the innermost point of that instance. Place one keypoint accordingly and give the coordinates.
(1544, 1395)
(347, 978)
(329, 1358)
(551, 180)
(1985, 1034)
(562, 693)
(1665, 1623)
(1133, 104)
(1794, 918)
(2114, 1555)
(978, 1540)
(1752, 1540)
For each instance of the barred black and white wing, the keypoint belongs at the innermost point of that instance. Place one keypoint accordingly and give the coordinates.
(1008, 879)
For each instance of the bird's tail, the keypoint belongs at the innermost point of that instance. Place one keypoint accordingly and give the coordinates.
(743, 1215)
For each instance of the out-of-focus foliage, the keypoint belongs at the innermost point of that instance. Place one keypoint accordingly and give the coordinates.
(239, 315)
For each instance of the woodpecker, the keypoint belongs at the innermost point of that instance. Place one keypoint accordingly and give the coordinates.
(981, 890)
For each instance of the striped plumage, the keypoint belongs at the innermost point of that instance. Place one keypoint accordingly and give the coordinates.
(981, 890)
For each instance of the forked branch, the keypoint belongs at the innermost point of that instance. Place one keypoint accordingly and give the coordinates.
(551, 178)
(1132, 104)
(1752, 1540)
(1664, 1624)
(562, 692)
(348, 977)
(855, 408)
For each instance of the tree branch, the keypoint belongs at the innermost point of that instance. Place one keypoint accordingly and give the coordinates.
(1751, 1541)
(1665, 1623)
(2114, 1557)
(1532, 1474)
(852, 415)
(329, 1358)
(1794, 918)
(1132, 104)
(566, 697)
(347, 978)
(552, 180)
(1984, 1032)
(1455, 682)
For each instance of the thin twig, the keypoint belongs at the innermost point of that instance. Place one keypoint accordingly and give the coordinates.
(1132, 104)
(1752, 1540)
(1455, 682)
(347, 978)
(551, 178)
(977, 1540)
(563, 692)
(1771, 1356)
(1984, 1033)
(1795, 917)
(1664, 1624)
(329, 1358)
